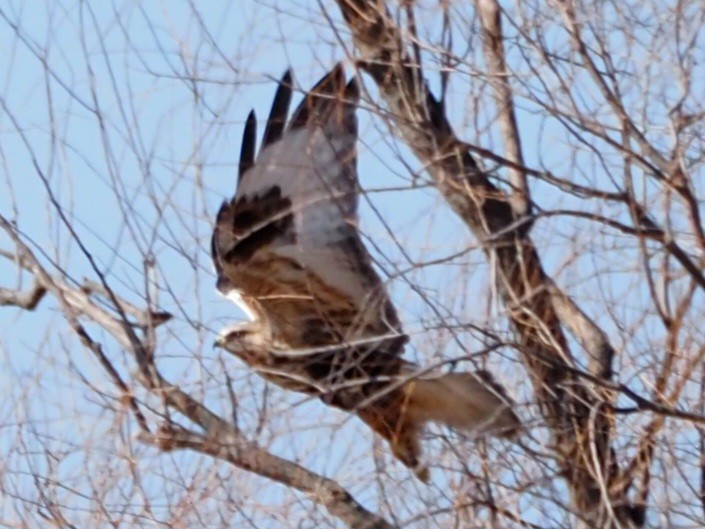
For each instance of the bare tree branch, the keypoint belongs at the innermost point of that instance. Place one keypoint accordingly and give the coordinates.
(220, 438)
(28, 299)
(493, 40)
(575, 160)
(246, 455)
(567, 404)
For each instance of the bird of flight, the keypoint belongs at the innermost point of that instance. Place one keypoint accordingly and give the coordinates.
(288, 250)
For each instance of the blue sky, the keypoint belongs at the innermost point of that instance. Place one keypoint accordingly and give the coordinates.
(144, 177)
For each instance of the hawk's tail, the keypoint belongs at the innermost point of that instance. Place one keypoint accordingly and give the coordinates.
(471, 402)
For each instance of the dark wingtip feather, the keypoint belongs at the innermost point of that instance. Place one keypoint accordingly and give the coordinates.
(352, 92)
(287, 78)
(321, 98)
(249, 141)
(279, 111)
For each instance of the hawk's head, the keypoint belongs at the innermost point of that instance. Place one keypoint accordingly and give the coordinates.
(241, 338)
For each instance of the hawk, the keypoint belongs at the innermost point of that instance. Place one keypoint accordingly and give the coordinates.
(287, 248)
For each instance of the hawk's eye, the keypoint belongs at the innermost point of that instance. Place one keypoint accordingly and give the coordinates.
(237, 335)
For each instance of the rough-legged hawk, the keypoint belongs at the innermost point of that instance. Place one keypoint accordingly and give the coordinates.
(287, 249)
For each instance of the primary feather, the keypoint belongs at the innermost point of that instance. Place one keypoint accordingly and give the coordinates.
(288, 247)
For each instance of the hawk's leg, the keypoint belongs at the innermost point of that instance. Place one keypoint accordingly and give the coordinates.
(401, 434)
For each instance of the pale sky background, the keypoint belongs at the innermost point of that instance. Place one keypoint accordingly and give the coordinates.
(173, 86)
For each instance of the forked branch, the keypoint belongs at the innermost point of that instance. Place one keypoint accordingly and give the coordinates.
(218, 437)
(574, 411)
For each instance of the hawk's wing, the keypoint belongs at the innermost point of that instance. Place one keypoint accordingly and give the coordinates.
(288, 242)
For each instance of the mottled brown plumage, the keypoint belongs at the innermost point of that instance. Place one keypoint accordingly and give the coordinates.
(287, 248)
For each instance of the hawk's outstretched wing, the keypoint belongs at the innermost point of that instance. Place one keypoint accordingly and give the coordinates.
(288, 242)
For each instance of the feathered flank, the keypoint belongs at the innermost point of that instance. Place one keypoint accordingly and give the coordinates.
(288, 249)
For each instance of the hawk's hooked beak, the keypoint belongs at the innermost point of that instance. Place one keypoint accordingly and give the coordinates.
(219, 342)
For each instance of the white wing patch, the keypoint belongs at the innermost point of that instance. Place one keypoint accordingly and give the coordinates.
(235, 296)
